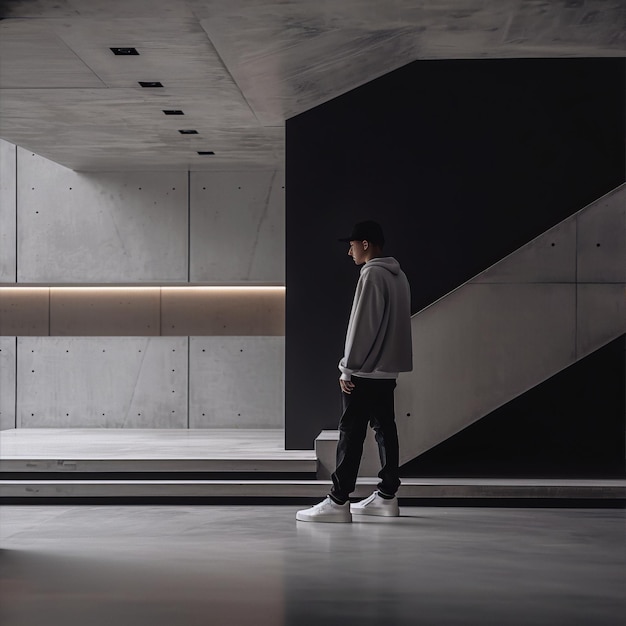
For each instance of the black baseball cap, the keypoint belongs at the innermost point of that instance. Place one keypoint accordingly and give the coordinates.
(366, 231)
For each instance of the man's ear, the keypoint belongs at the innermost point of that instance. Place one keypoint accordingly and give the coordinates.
(365, 244)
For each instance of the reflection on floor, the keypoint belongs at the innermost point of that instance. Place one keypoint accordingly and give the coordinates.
(244, 565)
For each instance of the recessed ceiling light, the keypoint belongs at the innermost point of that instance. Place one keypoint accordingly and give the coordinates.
(173, 112)
(203, 152)
(125, 51)
(150, 83)
(188, 132)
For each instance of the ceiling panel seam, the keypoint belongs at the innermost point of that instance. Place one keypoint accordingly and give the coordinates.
(60, 38)
(230, 74)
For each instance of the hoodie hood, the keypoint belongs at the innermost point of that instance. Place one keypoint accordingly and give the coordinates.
(388, 262)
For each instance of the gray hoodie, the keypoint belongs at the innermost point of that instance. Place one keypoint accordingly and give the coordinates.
(378, 341)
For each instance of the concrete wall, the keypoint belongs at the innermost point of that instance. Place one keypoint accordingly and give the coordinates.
(544, 307)
(70, 366)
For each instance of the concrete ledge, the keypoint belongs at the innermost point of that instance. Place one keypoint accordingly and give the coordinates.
(76, 466)
(326, 448)
(478, 489)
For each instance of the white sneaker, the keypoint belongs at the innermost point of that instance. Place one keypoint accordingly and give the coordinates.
(326, 511)
(375, 505)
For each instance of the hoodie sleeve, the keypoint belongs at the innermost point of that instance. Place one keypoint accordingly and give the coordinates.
(366, 317)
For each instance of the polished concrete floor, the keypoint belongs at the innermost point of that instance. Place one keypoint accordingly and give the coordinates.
(254, 565)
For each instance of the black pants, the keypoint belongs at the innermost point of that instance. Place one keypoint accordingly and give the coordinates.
(371, 401)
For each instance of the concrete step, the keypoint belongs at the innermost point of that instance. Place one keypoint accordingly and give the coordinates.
(160, 465)
(232, 490)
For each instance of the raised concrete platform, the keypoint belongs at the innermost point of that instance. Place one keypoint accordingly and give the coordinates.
(225, 464)
(150, 450)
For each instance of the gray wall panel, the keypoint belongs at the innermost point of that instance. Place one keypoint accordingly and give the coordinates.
(237, 226)
(108, 311)
(102, 382)
(7, 382)
(236, 382)
(24, 311)
(476, 349)
(602, 240)
(548, 258)
(223, 311)
(601, 315)
(105, 227)
(8, 192)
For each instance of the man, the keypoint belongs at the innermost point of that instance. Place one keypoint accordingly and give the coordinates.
(378, 347)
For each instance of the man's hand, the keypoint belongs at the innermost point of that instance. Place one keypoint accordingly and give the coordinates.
(346, 386)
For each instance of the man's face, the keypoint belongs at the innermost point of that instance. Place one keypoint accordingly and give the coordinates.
(357, 251)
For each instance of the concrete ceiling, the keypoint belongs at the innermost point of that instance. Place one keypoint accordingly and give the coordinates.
(239, 68)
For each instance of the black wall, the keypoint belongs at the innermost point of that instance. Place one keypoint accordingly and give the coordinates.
(461, 161)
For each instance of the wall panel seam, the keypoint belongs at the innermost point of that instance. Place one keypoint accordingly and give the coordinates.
(188, 226)
(16, 216)
(188, 381)
(15, 384)
(161, 312)
(576, 222)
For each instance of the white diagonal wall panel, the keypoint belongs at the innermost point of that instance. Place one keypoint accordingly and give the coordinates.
(481, 347)
(7, 382)
(512, 327)
(99, 228)
(8, 190)
(113, 382)
(236, 382)
(550, 258)
(238, 226)
(601, 248)
(601, 315)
